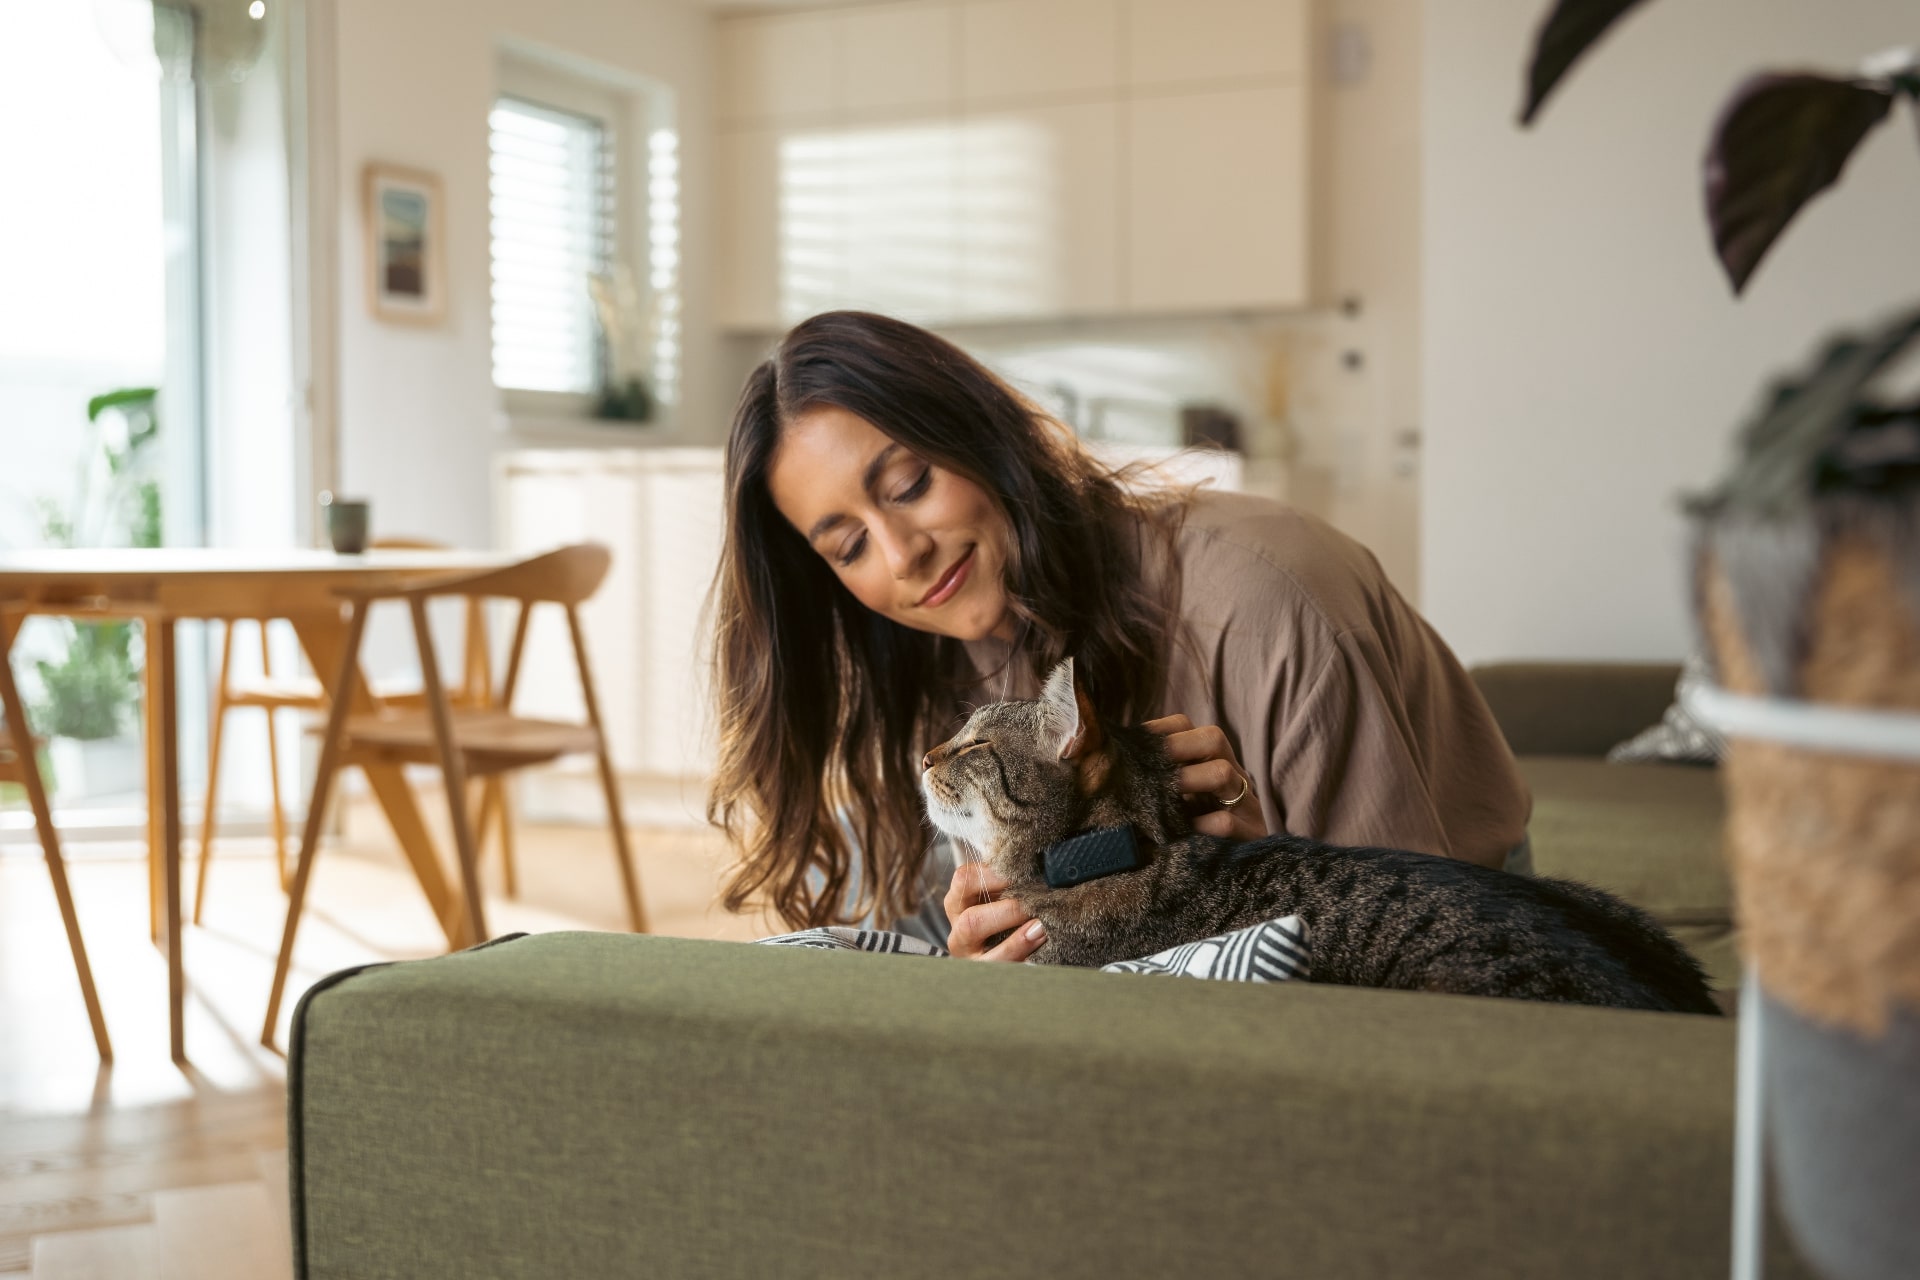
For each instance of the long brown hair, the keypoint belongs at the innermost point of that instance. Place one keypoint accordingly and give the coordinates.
(825, 707)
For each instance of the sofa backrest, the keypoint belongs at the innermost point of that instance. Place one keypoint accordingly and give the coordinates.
(1575, 708)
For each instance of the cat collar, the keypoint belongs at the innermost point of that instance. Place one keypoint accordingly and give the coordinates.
(1105, 851)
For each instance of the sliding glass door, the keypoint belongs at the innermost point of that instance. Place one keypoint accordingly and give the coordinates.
(102, 439)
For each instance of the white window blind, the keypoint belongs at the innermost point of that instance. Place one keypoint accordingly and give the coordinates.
(552, 198)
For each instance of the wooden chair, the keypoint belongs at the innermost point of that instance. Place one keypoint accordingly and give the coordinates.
(269, 693)
(477, 741)
(17, 765)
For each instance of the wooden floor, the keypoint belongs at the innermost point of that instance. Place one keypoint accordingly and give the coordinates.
(145, 1169)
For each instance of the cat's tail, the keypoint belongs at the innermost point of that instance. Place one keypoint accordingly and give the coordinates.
(1656, 959)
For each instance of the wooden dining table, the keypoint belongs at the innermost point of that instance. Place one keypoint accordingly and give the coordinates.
(163, 586)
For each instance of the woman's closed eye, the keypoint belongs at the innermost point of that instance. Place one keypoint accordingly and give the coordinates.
(858, 543)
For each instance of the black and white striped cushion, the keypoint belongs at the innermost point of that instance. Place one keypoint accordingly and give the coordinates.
(1273, 951)
(841, 938)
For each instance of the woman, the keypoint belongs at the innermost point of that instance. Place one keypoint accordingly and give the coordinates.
(906, 534)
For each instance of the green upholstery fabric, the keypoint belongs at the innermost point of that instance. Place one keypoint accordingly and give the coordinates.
(587, 1105)
(1648, 832)
(1575, 708)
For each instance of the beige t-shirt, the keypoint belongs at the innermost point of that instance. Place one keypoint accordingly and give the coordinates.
(1355, 721)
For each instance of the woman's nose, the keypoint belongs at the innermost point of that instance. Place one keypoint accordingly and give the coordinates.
(903, 548)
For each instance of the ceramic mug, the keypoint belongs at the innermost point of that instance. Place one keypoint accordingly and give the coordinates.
(346, 523)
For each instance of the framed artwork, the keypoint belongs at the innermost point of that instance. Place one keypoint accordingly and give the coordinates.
(406, 275)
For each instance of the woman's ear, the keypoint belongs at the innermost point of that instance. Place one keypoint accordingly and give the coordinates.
(1070, 712)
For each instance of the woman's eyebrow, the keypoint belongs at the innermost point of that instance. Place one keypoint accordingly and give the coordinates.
(868, 478)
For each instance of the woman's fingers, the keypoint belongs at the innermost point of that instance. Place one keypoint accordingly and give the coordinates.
(1219, 780)
(972, 884)
(1019, 944)
(977, 915)
(1210, 772)
(977, 926)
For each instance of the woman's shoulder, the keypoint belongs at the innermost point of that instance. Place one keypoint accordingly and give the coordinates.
(1249, 547)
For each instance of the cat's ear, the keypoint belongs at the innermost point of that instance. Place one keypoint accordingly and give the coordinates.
(1070, 713)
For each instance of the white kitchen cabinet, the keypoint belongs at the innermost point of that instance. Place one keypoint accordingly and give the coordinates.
(1014, 50)
(782, 225)
(1218, 200)
(779, 67)
(1039, 222)
(897, 57)
(660, 511)
(1207, 42)
(899, 233)
(1017, 160)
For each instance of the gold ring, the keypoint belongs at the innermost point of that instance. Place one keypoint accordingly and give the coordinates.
(1246, 785)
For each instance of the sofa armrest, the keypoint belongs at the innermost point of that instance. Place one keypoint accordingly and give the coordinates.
(611, 1105)
(1575, 708)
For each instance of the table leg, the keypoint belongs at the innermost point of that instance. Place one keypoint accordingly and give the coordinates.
(150, 740)
(160, 651)
(322, 636)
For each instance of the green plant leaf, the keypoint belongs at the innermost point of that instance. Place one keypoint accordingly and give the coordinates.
(1568, 31)
(126, 396)
(90, 692)
(1781, 140)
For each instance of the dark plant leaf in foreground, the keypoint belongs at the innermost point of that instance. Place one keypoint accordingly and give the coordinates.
(1780, 141)
(1801, 433)
(1567, 33)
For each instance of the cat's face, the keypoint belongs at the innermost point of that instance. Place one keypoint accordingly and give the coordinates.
(1009, 783)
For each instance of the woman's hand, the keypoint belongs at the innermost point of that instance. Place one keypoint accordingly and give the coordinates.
(978, 913)
(1210, 773)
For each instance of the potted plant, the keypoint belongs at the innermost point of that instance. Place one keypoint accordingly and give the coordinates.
(1807, 594)
(85, 701)
(86, 711)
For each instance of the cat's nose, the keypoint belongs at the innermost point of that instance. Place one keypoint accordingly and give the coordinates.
(926, 762)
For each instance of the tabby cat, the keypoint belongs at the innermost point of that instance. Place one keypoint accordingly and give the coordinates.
(1022, 776)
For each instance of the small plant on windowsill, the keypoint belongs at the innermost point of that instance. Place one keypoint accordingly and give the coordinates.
(625, 396)
(86, 700)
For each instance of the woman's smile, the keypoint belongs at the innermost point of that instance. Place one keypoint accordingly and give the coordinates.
(950, 582)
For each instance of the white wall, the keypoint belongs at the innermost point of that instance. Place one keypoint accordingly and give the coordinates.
(1585, 363)
(418, 410)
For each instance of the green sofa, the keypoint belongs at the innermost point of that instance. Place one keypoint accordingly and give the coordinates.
(587, 1105)
(1648, 832)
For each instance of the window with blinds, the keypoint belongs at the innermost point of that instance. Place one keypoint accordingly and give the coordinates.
(553, 191)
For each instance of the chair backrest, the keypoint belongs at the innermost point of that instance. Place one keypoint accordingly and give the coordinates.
(566, 575)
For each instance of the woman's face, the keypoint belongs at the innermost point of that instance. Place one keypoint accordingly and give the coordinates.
(913, 541)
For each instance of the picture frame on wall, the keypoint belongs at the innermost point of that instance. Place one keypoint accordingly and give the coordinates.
(406, 273)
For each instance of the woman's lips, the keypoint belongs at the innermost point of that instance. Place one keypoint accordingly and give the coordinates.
(950, 582)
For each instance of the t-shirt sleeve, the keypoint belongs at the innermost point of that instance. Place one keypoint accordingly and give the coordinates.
(1344, 765)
